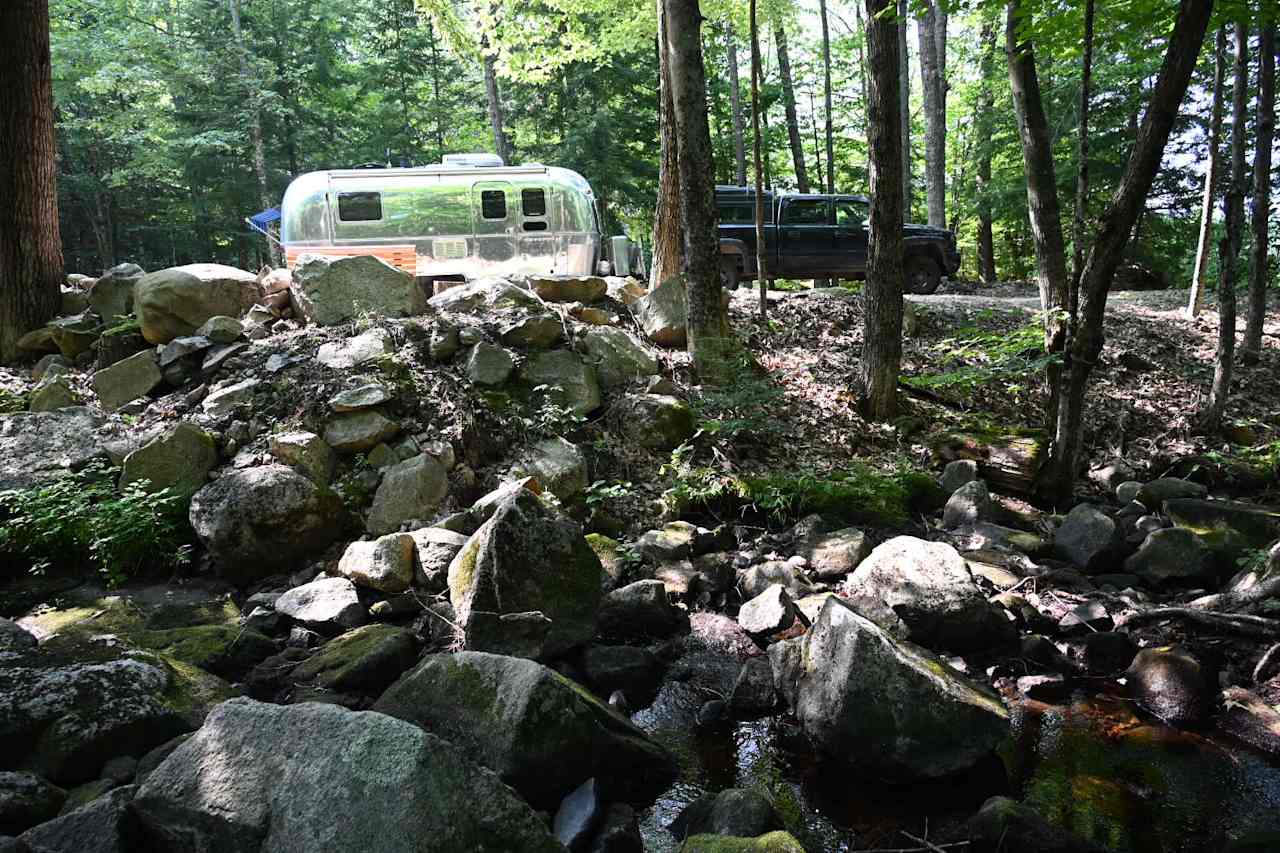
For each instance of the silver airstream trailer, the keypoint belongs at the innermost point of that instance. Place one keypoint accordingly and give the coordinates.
(468, 217)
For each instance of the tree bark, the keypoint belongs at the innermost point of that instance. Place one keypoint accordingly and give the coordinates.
(1229, 245)
(493, 97)
(709, 339)
(826, 97)
(735, 103)
(985, 120)
(904, 106)
(757, 75)
(1195, 302)
(789, 102)
(932, 29)
(882, 326)
(668, 230)
(1114, 226)
(1082, 162)
(30, 247)
(1261, 208)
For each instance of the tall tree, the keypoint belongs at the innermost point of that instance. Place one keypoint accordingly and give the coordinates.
(762, 254)
(984, 121)
(735, 103)
(668, 230)
(789, 103)
(1229, 245)
(492, 93)
(1195, 301)
(826, 97)
(882, 325)
(1260, 212)
(932, 29)
(1082, 159)
(904, 101)
(1057, 476)
(709, 338)
(253, 99)
(30, 248)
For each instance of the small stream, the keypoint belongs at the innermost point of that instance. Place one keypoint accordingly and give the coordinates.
(1089, 764)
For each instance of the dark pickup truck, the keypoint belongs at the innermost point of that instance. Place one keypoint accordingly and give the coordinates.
(821, 236)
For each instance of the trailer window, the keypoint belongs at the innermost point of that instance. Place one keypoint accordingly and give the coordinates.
(533, 202)
(493, 204)
(359, 207)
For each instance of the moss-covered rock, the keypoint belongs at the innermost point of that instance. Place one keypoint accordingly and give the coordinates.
(226, 650)
(1228, 527)
(364, 661)
(773, 842)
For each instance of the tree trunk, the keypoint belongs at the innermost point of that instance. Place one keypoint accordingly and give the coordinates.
(789, 102)
(1082, 164)
(882, 326)
(826, 97)
(253, 100)
(762, 254)
(933, 40)
(668, 231)
(862, 70)
(30, 247)
(709, 339)
(493, 97)
(985, 120)
(1261, 209)
(1196, 300)
(735, 103)
(904, 103)
(1058, 475)
(438, 130)
(1229, 245)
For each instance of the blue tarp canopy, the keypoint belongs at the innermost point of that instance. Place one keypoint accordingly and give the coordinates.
(265, 218)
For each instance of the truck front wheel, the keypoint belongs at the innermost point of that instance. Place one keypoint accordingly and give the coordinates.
(729, 272)
(921, 274)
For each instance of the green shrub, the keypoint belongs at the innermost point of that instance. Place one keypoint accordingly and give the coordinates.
(84, 521)
(974, 358)
(741, 410)
(11, 401)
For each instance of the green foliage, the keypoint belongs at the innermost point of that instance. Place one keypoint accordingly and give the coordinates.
(601, 493)
(11, 401)
(741, 410)
(84, 520)
(973, 358)
(1253, 560)
(123, 326)
(549, 417)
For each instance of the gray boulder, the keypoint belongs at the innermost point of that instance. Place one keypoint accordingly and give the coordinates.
(111, 296)
(327, 605)
(568, 381)
(229, 397)
(835, 554)
(489, 365)
(26, 800)
(1153, 494)
(364, 661)
(103, 826)
(364, 397)
(957, 473)
(353, 352)
(739, 812)
(1173, 556)
(618, 357)
(410, 490)
(357, 432)
(525, 558)
(581, 288)
(36, 447)
(386, 564)
(221, 330)
(306, 452)
(661, 313)
(540, 732)
(1087, 538)
(923, 592)
(333, 290)
(126, 380)
(867, 698)
(434, 549)
(532, 330)
(174, 302)
(769, 612)
(179, 460)
(486, 294)
(558, 465)
(969, 504)
(310, 777)
(641, 609)
(654, 421)
(256, 520)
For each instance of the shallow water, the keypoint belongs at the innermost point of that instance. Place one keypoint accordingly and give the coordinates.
(1089, 764)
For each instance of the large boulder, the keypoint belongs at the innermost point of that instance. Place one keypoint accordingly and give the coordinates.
(526, 558)
(1228, 527)
(568, 382)
(655, 421)
(327, 605)
(256, 520)
(333, 290)
(410, 491)
(111, 296)
(179, 460)
(923, 592)
(36, 447)
(261, 778)
(540, 732)
(1088, 538)
(127, 380)
(894, 708)
(174, 302)
(1173, 556)
(661, 313)
(618, 357)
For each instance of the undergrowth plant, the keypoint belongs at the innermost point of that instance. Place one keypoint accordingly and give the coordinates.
(84, 521)
(974, 358)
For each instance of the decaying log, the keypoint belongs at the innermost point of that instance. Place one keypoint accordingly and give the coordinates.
(1007, 461)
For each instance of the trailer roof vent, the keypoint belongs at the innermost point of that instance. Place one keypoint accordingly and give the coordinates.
(480, 161)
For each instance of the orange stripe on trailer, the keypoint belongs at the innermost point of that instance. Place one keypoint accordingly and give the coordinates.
(401, 257)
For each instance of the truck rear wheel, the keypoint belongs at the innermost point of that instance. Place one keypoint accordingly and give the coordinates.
(921, 274)
(729, 272)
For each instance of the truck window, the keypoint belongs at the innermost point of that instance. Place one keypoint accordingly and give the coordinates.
(533, 202)
(359, 207)
(743, 212)
(493, 204)
(851, 214)
(805, 211)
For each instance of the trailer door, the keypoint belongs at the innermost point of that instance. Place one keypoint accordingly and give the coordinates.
(494, 214)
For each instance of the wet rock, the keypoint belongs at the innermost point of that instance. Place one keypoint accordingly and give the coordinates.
(364, 661)
(540, 733)
(525, 558)
(576, 818)
(410, 491)
(958, 473)
(260, 777)
(179, 460)
(637, 672)
(1172, 684)
(1249, 719)
(174, 302)
(619, 831)
(255, 520)
(126, 380)
(568, 381)
(923, 591)
(1004, 824)
(618, 357)
(558, 465)
(640, 609)
(865, 697)
(386, 564)
(328, 605)
(770, 612)
(661, 313)
(435, 549)
(26, 800)
(489, 365)
(1173, 556)
(307, 453)
(1087, 538)
(969, 504)
(740, 812)
(333, 290)
(103, 826)
(753, 692)
(1153, 494)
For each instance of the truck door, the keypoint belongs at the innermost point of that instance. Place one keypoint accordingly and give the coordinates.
(494, 216)
(804, 236)
(849, 245)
